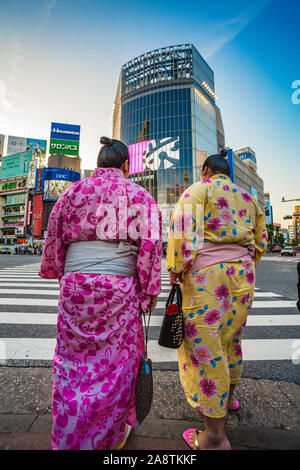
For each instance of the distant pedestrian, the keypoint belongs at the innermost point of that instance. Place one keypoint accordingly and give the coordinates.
(109, 270)
(218, 279)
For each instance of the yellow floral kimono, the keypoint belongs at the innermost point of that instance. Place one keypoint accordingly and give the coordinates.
(217, 298)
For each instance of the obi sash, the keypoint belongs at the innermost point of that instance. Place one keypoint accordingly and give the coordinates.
(102, 257)
(214, 253)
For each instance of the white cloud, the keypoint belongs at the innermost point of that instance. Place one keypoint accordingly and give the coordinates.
(49, 6)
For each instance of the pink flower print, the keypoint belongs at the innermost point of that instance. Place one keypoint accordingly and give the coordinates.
(208, 387)
(242, 212)
(246, 197)
(226, 187)
(202, 354)
(226, 216)
(238, 350)
(250, 277)
(185, 250)
(212, 317)
(214, 224)
(247, 265)
(245, 299)
(206, 181)
(264, 235)
(231, 271)
(184, 367)
(63, 407)
(194, 361)
(190, 330)
(222, 291)
(75, 292)
(201, 279)
(187, 196)
(226, 305)
(222, 202)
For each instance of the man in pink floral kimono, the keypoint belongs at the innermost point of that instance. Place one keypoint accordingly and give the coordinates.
(104, 246)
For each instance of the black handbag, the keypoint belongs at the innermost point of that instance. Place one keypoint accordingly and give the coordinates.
(144, 381)
(172, 329)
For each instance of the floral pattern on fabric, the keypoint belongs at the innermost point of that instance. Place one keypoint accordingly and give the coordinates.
(99, 326)
(218, 298)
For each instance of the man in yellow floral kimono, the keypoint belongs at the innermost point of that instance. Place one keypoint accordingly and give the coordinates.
(217, 237)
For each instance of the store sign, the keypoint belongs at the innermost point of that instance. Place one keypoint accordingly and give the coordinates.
(32, 174)
(11, 185)
(65, 147)
(38, 147)
(13, 221)
(38, 180)
(56, 181)
(16, 164)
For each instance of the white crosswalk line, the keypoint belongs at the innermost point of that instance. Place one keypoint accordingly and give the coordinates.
(256, 304)
(43, 349)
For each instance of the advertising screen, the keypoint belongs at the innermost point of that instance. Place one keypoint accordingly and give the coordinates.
(153, 154)
(38, 147)
(55, 181)
(16, 164)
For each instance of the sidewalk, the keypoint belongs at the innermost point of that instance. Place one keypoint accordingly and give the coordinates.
(268, 417)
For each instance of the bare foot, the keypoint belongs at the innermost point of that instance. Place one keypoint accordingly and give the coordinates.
(231, 402)
(201, 441)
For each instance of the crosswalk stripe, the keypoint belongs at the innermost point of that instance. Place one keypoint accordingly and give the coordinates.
(23, 318)
(43, 349)
(53, 302)
(36, 283)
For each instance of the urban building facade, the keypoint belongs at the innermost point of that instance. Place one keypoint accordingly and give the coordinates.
(246, 176)
(165, 112)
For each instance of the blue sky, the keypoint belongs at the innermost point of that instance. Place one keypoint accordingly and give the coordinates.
(60, 61)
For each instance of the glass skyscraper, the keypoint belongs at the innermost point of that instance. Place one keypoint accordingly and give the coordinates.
(165, 112)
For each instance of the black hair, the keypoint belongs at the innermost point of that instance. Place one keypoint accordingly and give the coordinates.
(218, 163)
(113, 153)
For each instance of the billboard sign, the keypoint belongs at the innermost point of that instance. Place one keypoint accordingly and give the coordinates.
(230, 160)
(31, 174)
(16, 164)
(37, 216)
(253, 191)
(156, 154)
(16, 144)
(247, 156)
(38, 147)
(65, 131)
(65, 147)
(55, 181)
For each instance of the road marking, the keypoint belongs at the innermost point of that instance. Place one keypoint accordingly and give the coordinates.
(24, 318)
(36, 283)
(257, 294)
(258, 304)
(43, 349)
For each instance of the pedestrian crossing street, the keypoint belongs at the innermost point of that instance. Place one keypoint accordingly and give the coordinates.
(28, 315)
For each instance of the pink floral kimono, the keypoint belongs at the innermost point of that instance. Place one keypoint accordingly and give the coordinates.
(99, 327)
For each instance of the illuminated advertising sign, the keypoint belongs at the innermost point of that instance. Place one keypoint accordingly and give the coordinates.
(153, 154)
(55, 181)
(16, 165)
(37, 217)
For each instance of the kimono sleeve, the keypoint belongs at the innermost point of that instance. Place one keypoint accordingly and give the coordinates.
(53, 257)
(260, 235)
(150, 253)
(186, 231)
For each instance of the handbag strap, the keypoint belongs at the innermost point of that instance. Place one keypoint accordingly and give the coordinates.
(146, 326)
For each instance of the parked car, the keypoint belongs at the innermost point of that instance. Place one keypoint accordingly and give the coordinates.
(5, 251)
(288, 251)
(276, 249)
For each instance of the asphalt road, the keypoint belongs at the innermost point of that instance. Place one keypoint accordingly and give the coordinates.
(274, 276)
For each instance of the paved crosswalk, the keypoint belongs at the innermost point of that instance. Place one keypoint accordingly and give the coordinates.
(28, 315)
(289, 259)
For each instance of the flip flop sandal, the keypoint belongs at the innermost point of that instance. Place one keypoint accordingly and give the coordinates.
(187, 435)
(122, 443)
(236, 406)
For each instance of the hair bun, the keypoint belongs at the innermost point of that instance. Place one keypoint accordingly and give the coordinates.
(223, 153)
(106, 141)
